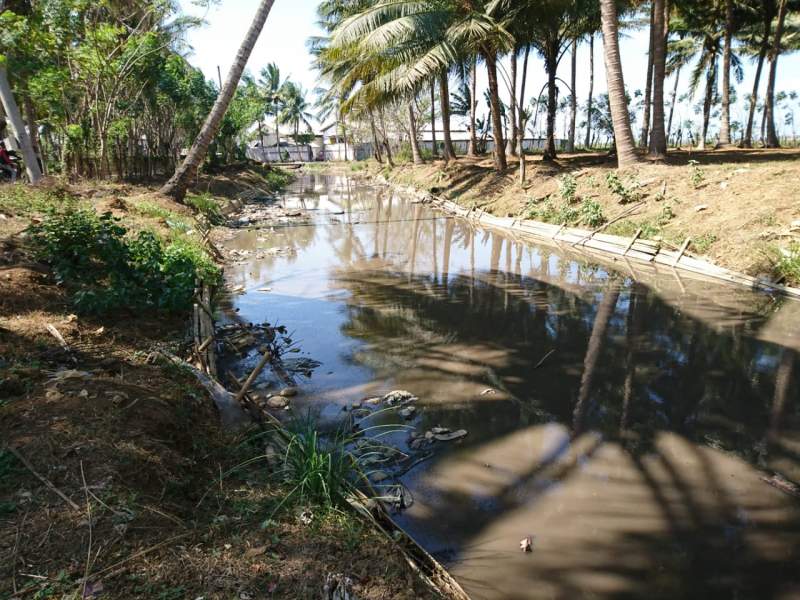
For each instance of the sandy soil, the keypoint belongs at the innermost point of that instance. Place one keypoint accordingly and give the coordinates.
(739, 207)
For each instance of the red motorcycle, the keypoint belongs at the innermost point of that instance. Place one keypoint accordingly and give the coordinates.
(11, 171)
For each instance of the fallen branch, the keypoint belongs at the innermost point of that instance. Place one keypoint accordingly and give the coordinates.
(625, 213)
(42, 478)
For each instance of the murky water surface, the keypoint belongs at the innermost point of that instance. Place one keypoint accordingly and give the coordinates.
(622, 417)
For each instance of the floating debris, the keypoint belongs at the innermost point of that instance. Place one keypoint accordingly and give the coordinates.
(288, 392)
(277, 402)
(526, 544)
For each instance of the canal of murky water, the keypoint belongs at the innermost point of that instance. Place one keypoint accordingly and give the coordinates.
(641, 427)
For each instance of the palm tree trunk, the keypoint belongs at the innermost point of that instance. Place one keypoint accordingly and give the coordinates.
(772, 134)
(648, 89)
(711, 77)
(521, 117)
(472, 150)
(376, 147)
(573, 104)
(497, 120)
(623, 136)
(412, 129)
(18, 127)
(747, 140)
(672, 104)
(444, 102)
(473, 103)
(435, 150)
(725, 118)
(179, 182)
(551, 65)
(511, 142)
(658, 138)
(588, 141)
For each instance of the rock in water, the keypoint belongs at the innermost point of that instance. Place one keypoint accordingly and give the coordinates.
(407, 412)
(447, 437)
(399, 397)
(277, 402)
(288, 392)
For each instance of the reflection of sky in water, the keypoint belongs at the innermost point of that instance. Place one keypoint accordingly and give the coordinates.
(681, 409)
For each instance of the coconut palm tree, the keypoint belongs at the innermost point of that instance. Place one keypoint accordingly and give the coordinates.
(295, 109)
(179, 182)
(273, 90)
(623, 136)
(658, 136)
(416, 40)
(769, 108)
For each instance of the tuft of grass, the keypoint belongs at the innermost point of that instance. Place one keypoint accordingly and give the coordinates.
(20, 199)
(787, 265)
(146, 208)
(703, 242)
(206, 205)
(317, 470)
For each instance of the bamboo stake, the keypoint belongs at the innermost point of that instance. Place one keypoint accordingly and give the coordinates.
(681, 251)
(249, 381)
(633, 241)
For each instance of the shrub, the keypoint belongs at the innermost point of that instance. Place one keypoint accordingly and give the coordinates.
(567, 186)
(696, 174)
(105, 268)
(626, 193)
(592, 213)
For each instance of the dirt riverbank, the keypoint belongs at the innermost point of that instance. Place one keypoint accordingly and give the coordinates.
(740, 208)
(115, 478)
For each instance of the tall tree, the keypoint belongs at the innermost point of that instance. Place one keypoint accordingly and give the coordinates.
(416, 155)
(15, 120)
(772, 140)
(658, 137)
(435, 146)
(178, 184)
(587, 143)
(766, 10)
(573, 98)
(17, 125)
(725, 117)
(623, 136)
(444, 107)
(648, 88)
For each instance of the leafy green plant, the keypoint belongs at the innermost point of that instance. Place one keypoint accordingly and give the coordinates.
(666, 215)
(626, 193)
(551, 212)
(567, 187)
(106, 268)
(591, 213)
(696, 174)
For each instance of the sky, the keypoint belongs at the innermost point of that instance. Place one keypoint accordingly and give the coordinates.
(292, 22)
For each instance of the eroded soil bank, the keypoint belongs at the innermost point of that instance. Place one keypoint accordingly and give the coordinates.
(150, 507)
(639, 426)
(739, 207)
